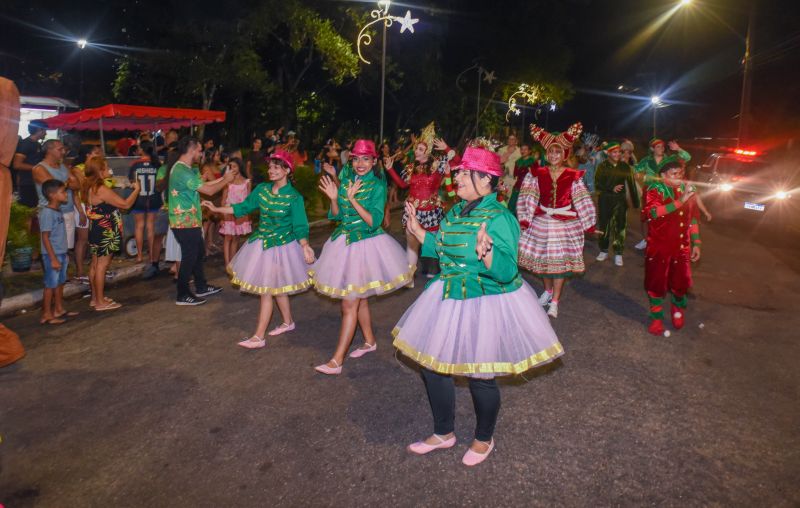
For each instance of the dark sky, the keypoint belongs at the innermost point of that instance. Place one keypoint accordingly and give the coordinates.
(692, 59)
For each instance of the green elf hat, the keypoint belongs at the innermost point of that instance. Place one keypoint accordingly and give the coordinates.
(611, 146)
(656, 141)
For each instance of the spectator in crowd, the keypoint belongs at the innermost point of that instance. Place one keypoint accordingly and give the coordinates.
(78, 171)
(123, 146)
(233, 228)
(52, 167)
(508, 158)
(147, 205)
(270, 141)
(211, 170)
(255, 159)
(105, 226)
(185, 218)
(54, 252)
(27, 155)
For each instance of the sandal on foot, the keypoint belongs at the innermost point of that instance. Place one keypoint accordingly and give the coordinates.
(421, 447)
(108, 306)
(52, 321)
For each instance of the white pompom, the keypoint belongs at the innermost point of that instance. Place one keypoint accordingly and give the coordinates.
(666, 333)
(701, 325)
(677, 315)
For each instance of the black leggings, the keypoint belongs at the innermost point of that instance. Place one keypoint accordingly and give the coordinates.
(442, 396)
(193, 250)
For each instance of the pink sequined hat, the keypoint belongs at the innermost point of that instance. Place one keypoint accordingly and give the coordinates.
(480, 159)
(283, 156)
(364, 147)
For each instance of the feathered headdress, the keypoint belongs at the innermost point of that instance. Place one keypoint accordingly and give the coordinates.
(562, 139)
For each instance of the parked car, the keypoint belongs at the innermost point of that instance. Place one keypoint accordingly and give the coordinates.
(740, 184)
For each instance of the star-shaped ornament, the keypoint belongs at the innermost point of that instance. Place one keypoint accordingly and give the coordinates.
(174, 192)
(489, 77)
(407, 22)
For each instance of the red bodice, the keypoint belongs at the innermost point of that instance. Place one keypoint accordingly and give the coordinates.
(558, 193)
(669, 234)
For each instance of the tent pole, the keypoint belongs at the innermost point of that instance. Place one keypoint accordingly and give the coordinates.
(102, 137)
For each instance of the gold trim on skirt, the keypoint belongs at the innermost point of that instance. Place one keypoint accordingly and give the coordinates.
(496, 368)
(263, 290)
(352, 290)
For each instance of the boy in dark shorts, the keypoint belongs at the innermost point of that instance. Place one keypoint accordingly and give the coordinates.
(54, 252)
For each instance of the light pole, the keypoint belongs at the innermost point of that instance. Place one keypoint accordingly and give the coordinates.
(483, 75)
(82, 43)
(381, 14)
(655, 101)
(747, 82)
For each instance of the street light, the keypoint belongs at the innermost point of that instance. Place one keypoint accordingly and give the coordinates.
(382, 14)
(82, 43)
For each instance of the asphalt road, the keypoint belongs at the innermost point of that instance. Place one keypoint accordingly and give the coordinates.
(154, 405)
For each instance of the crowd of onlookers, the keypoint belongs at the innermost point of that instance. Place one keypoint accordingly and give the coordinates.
(79, 199)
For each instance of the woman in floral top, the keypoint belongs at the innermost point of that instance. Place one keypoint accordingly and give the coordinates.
(105, 226)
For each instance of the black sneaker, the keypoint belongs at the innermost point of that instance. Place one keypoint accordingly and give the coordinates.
(210, 290)
(150, 272)
(190, 300)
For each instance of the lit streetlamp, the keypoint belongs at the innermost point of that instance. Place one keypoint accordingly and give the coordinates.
(381, 14)
(82, 43)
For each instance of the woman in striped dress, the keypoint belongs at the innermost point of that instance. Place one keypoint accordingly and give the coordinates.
(554, 211)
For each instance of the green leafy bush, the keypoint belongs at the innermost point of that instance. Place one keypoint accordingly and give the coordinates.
(19, 227)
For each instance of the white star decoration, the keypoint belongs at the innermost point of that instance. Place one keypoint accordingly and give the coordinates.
(489, 77)
(406, 22)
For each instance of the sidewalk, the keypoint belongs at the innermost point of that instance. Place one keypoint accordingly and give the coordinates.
(130, 269)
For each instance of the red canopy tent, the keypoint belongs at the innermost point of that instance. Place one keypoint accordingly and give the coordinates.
(124, 117)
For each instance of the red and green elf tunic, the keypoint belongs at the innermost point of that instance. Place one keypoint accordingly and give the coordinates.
(672, 230)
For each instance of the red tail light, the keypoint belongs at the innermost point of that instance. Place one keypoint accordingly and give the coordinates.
(749, 153)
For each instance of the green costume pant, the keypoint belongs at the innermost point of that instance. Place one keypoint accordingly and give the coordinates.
(612, 221)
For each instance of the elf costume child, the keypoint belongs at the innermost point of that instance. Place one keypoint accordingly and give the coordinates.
(673, 242)
(613, 182)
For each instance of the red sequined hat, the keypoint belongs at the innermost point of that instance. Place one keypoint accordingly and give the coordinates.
(284, 156)
(364, 147)
(482, 160)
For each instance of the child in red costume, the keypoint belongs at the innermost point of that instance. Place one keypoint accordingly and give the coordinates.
(673, 243)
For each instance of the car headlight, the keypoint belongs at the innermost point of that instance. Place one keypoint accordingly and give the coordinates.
(781, 195)
(726, 187)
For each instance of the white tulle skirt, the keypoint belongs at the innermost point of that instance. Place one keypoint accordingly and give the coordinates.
(280, 270)
(487, 336)
(373, 266)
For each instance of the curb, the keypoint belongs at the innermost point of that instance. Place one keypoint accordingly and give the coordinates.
(18, 303)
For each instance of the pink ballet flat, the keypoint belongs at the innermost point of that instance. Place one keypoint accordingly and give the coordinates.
(474, 458)
(250, 343)
(282, 328)
(331, 371)
(358, 353)
(421, 447)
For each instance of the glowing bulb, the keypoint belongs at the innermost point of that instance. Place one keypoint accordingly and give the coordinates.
(82, 43)
(726, 187)
(684, 3)
(781, 195)
(655, 99)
